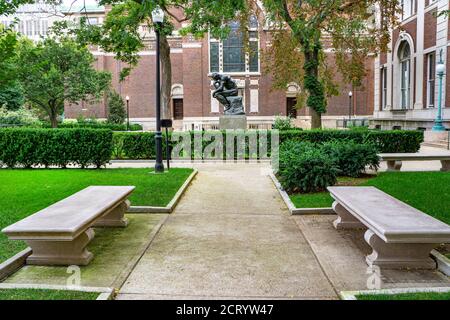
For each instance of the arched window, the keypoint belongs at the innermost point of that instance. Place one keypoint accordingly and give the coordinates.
(405, 74)
(230, 56)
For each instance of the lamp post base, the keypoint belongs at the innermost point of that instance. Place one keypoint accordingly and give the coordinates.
(438, 126)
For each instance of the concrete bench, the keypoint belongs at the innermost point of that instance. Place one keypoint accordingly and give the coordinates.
(395, 160)
(59, 234)
(400, 235)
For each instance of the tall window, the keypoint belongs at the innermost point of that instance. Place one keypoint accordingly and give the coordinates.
(231, 56)
(431, 79)
(408, 8)
(405, 74)
(383, 77)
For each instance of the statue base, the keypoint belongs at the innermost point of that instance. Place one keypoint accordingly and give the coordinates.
(229, 122)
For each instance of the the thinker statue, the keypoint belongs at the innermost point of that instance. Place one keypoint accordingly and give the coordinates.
(227, 94)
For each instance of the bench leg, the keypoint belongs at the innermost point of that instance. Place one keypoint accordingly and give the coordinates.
(399, 255)
(116, 217)
(345, 219)
(65, 253)
(445, 165)
(394, 165)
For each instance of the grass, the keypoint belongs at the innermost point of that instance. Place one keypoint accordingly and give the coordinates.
(407, 296)
(24, 192)
(426, 191)
(44, 294)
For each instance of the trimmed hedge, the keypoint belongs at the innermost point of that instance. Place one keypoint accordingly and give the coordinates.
(96, 125)
(140, 145)
(55, 147)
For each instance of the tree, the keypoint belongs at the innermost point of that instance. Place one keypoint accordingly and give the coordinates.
(116, 108)
(11, 93)
(300, 28)
(58, 71)
(120, 31)
(10, 6)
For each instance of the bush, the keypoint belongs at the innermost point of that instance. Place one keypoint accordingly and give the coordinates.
(116, 108)
(55, 147)
(93, 124)
(18, 118)
(283, 124)
(306, 168)
(352, 158)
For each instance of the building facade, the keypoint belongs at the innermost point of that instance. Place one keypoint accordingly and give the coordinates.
(193, 60)
(406, 83)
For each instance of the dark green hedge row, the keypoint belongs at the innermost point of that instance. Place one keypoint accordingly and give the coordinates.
(96, 125)
(142, 145)
(55, 147)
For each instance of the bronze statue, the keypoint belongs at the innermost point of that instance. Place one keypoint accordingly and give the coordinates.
(227, 94)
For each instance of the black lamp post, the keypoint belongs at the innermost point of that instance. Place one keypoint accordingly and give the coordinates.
(350, 105)
(158, 19)
(127, 98)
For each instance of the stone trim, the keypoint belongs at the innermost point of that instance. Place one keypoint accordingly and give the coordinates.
(442, 261)
(14, 263)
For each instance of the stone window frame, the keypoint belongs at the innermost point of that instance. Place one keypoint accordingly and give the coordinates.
(431, 80)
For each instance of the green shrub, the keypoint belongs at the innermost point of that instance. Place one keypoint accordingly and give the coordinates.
(18, 118)
(352, 158)
(55, 147)
(139, 145)
(305, 168)
(283, 124)
(116, 108)
(93, 124)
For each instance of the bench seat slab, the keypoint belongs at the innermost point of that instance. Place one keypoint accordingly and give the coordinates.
(115, 217)
(345, 219)
(399, 255)
(61, 253)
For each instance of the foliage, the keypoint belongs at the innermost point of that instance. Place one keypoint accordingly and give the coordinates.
(305, 168)
(299, 28)
(352, 158)
(116, 107)
(48, 147)
(96, 125)
(283, 123)
(10, 6)
(46, 294)
(11, 96)
(20, 117)
(140, 145)
(58, 71)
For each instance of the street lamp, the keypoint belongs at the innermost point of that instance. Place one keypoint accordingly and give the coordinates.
(158, 19)
(350, 105)
(127, 98)
(440, 69)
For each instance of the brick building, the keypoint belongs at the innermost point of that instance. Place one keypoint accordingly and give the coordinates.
(406, 84)
(193, 60)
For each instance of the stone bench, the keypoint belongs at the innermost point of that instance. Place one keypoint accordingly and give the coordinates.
(400, 235)
(59, 234)
(395, 160)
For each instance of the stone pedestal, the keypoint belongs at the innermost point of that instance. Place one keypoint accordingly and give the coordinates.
(229, 122)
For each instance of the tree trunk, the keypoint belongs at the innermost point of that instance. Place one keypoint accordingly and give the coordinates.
(166, 81)
(53, 118)
(316, 91)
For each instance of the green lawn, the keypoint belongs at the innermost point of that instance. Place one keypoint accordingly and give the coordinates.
(407, 296)
(426, 191)
(41, 294)
(24, 192)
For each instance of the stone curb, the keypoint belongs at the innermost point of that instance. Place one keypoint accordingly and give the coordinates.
(172, 204)
(351, 295)
(292, 209)
(442, 261)
(14, 263)
(104, 293)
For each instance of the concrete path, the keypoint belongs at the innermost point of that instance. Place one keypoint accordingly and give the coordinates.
(230, 237)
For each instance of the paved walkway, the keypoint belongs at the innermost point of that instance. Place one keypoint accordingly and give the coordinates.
(230, 237)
